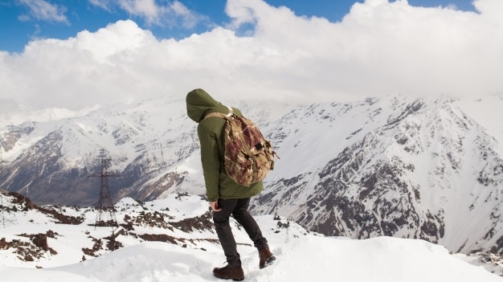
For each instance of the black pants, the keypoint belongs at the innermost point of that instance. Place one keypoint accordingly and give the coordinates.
(239, 210)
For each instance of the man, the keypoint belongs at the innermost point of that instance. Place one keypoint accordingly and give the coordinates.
(226, 197)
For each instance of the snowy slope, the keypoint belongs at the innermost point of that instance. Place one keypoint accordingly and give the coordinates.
(397, 167)
(486, 112)
(421, 168)
(301, 255)
(152, 145)
(306, 259)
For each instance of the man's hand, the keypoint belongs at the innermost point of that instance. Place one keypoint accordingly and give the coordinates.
(214, 206)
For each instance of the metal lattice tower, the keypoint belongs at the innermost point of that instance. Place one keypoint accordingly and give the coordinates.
(105, 207)
(5, 220)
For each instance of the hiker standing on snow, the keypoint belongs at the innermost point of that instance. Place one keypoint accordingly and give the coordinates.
(226, 197)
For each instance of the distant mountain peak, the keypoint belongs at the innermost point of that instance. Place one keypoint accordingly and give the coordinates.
(396, 165)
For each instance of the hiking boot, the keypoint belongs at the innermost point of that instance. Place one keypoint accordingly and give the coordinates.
(229, 272)
(266, 258)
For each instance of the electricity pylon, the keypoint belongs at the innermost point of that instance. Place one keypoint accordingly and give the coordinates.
(105, 206)
(4, 218)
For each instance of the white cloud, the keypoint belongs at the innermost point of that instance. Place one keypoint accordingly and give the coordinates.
(172, 13)
(379, 48)
(104, 4)
(189, 18)
(45, 11)
(143, 8)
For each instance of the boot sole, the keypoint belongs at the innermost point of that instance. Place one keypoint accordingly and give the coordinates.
(268, 262)
(228, 278)
(234, 279)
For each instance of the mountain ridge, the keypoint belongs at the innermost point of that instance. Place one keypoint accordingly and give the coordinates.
(394, 166)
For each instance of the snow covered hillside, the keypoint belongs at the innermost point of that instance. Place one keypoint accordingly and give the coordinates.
(152, 145)
(420, 168)
(397, 167)
(173, 240)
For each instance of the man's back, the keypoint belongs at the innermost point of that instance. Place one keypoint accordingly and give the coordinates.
(218, 183)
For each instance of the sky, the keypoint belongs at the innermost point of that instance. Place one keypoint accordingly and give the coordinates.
(80, 53)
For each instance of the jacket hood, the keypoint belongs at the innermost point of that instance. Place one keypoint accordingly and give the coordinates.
(199, 103)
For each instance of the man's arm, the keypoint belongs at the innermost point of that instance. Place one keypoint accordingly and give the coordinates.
(210, 160)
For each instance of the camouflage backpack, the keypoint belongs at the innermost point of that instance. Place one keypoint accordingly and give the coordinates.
(248, 157)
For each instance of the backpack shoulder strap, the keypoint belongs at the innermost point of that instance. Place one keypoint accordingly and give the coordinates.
(220, 115)
(215, 114)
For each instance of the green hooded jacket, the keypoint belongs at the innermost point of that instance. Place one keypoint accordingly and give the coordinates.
(218, 184)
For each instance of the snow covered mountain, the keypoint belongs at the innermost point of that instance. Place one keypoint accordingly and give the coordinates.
(173, 240)
(152, 145)
(397, 167)
(428, 168)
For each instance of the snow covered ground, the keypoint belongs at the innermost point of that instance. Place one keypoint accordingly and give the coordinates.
(192, 254)
(305, 259)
